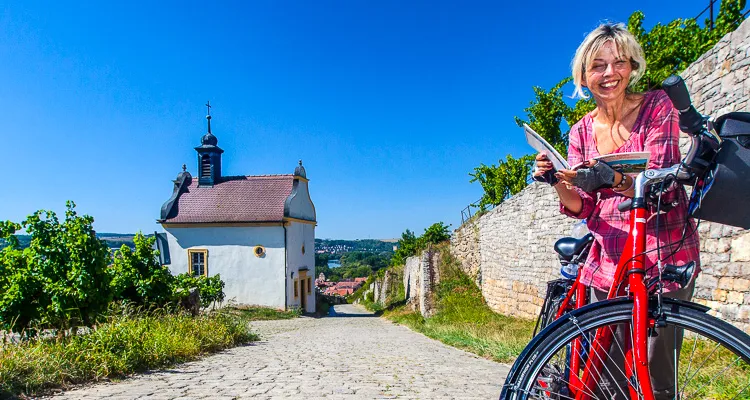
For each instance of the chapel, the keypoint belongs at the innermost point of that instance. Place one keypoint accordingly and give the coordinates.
(256, 231)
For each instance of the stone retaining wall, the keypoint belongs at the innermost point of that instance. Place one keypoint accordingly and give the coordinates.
(421, 275)
(465, 242)
(509, 249)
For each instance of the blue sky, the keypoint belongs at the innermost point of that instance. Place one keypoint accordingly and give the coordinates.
(390, 104)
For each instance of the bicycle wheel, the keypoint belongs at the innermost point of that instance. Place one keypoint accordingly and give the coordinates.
(713, 361)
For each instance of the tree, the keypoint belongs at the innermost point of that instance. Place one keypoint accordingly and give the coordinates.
(503, 180)
(408, 246)
(321, 259)
(138, 277)
(436, 233)
(671, 48)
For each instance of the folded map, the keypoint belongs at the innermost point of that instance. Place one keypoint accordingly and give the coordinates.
(628, 163)
(542, 146)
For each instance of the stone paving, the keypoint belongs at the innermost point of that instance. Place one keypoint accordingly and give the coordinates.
(352, 355)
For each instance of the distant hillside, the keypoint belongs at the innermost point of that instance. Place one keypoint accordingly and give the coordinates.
(114, 240)
(338, 246)
(334, 247)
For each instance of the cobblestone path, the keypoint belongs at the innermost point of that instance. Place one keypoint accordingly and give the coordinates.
(353, 355)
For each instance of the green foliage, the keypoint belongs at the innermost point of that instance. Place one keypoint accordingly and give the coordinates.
(436, 233)
(409, 244)
(211, 288)
(669, 49)
(673, 47)
(138, 277)
(60, 280)
(546, 113)
(503, 180)
(124, 343)
(321, 260)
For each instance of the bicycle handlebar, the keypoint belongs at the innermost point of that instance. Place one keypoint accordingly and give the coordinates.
(691, 121)
(677, 92)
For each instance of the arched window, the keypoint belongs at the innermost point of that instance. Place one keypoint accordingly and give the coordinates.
(205, 166)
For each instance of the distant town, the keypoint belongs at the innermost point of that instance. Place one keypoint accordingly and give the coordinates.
(340, 288)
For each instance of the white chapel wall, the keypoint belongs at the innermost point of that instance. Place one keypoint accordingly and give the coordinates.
(299, 204)
(249, 279)
(299, 234)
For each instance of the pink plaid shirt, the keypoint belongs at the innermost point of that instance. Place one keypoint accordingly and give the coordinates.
(655, 130)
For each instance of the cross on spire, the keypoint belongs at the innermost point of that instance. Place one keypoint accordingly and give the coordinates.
(208, 117)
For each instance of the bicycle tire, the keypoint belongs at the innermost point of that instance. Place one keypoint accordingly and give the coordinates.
(529, 375)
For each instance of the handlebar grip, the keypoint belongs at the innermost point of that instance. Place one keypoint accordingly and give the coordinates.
(677, 92)
(691, 121)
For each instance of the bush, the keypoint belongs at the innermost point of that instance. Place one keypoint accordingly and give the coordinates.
(211, 288)
(60, 280)
(138, 277)
(64, 279)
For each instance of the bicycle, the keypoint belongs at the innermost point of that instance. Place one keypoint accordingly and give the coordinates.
(574, 357)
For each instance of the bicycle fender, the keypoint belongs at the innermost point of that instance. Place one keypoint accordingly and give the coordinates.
(509, 385)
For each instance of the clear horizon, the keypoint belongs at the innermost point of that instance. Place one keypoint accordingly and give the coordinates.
(389, 105)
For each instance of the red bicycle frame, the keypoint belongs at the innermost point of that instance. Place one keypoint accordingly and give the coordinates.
(632, 268)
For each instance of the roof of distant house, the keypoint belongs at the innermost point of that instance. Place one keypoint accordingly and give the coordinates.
(348, 285)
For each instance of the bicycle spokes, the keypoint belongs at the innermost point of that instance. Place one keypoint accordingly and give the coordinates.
(595, 365)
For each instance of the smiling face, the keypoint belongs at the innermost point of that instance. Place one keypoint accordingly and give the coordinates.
(608, 74)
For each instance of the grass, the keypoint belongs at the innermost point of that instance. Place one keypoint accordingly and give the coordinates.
(464, 320)
(256, 313)
(714, 373)
(124, 344)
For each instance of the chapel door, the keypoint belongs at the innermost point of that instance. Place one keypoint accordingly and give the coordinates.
(303, 291)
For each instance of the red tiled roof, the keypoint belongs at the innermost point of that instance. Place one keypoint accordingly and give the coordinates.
(348, 285)
(236, 199)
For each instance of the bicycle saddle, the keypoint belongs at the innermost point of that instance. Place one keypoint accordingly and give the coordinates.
(569, 247)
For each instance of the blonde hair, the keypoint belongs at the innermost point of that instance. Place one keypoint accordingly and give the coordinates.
(626, 44)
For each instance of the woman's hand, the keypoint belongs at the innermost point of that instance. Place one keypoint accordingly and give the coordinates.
(593, 175)
(566, 176)
(544, 170)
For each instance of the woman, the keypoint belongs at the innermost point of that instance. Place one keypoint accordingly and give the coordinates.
(608, 63)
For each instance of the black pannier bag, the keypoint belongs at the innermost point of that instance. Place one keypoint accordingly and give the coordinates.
(726, 192)
(553, 300)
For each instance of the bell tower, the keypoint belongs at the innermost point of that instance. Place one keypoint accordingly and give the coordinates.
(209, 157)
